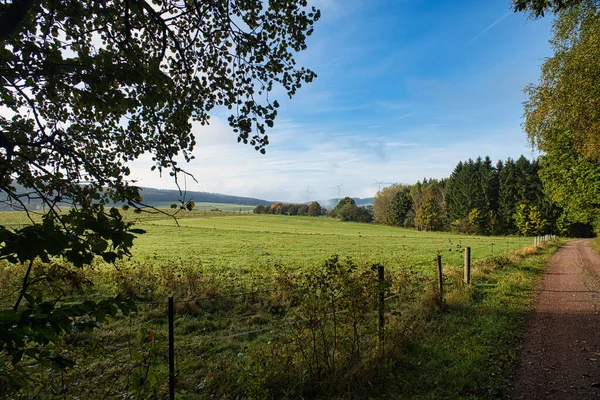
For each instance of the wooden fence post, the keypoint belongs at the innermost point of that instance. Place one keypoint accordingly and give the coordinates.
(381, 278)
(440, 279)
(171, 351)
(467, 276)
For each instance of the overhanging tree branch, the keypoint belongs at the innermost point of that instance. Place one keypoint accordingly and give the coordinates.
(12, 15)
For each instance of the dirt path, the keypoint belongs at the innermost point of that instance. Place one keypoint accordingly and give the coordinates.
(560, 355)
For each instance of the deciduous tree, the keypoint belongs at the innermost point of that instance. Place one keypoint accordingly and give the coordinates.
(88, 86)
(562, 116)
(314, 210)
(382, 204)
(567, 96)
(539, 7)
(429, 204)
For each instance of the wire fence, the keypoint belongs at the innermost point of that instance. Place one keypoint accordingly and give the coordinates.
(324, 307)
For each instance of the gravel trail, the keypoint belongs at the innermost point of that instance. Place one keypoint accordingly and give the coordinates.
(560, 354)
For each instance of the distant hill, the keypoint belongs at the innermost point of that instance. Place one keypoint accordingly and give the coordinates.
(161, 197)
(331, 203)
(164, 198)
(367, 201)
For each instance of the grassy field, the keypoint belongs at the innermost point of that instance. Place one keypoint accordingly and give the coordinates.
(224, 239)
(216, 207)
(263, 310)
(241, 241)
(19, 218)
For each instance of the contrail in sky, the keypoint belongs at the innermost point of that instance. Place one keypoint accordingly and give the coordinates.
(490, 27)
(333, 62)
(330, 63)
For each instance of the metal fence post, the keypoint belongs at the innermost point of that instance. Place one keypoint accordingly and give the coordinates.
(171, 351)
(381, 278)
(440, 279)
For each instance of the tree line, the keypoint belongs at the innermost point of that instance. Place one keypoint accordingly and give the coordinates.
(346, 210)
(312, 210)
(479, 197)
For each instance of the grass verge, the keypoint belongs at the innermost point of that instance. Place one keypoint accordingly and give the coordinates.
(595, 243)
(469, 349)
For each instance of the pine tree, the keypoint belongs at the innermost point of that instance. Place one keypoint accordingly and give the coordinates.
(507, 197)
(401, 206)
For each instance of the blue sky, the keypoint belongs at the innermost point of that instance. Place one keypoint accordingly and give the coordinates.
(405, 90)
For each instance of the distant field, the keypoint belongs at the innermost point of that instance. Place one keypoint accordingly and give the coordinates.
(201, 206)
(229, 239)
(18, 218)
(242, 241)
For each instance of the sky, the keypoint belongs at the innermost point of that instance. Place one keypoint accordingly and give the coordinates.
(405, 90)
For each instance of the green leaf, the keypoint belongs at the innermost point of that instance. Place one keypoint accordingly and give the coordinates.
(17, 356)
(110, 257)
(30, 299)
(8, 316)
(62, 362)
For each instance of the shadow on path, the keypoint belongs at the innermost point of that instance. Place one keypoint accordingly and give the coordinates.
(560, 353)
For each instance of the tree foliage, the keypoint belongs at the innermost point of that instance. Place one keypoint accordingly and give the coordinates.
(382, 204)
(529, 220)
(401, 207)
(539, 7)
(484, 199)
(87, 87)
(572, 182)
(562, 116)
(567, 96)
(472, 196)
(347, 210)
(260, 209)
(429, 204)
(473, 185)
(341, 203)
(314, 209)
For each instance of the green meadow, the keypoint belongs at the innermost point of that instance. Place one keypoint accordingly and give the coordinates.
(227, 238)
(240, 241)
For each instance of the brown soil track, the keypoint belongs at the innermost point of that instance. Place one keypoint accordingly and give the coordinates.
(560, 354)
